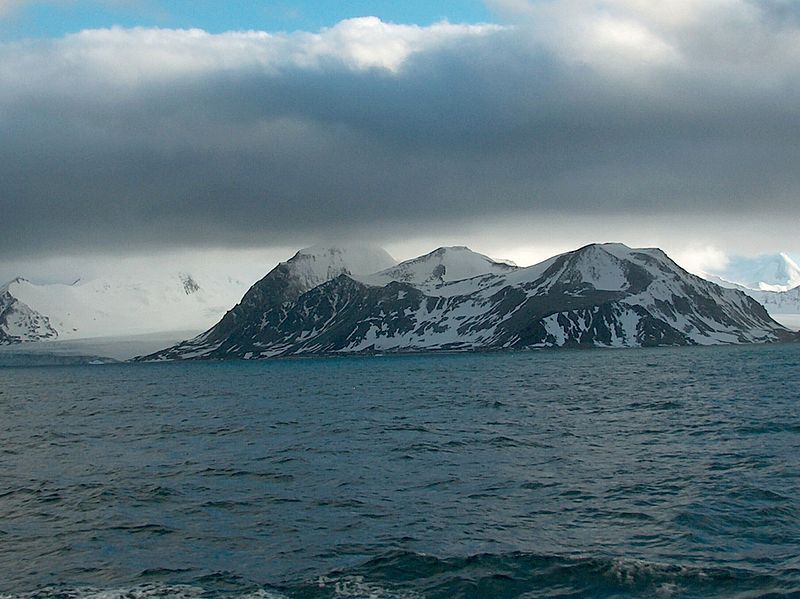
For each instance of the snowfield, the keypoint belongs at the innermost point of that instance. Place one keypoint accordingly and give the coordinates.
(117, 306)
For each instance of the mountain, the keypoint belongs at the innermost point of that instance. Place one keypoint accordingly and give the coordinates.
(445, 264)
(115, 306)
(283, 285)
(605, 295)
(19, 322)
(315, 265)
(776, 272)
(783, 306)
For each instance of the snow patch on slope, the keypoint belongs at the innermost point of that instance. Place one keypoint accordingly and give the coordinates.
(443, 265)
(315, 265)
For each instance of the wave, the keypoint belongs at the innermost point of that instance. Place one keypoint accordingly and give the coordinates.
(408, 575)
(145, 591)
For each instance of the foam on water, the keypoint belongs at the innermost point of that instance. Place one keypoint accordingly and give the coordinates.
(405, 575)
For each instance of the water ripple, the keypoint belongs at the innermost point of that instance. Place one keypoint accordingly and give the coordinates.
(665, 472)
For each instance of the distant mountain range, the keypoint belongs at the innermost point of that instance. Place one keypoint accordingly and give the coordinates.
(772, 272)
(114, 306)
(783, 306)
(772, 280)
(118, 306)
(603, 295)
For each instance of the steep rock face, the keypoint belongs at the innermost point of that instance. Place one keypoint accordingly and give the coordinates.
(600, 295)
(19, 322)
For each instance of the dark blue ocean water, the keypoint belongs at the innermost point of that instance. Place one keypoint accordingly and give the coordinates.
(663, 472)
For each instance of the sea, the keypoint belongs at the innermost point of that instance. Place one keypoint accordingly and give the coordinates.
(667, 472)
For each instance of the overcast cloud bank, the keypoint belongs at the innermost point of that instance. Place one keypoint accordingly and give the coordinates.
(572, 113)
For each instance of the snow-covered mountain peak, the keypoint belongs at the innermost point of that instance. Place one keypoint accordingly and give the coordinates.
(619, 250)
(603, 266)
(442, 265)
(18, 321)
(783, 306)
(355, 259)
(314, 265)
(771, 272)
(612, 247)
(606, 295)
(463, 250)
(15, 281)
(624, 252)
(613, 267)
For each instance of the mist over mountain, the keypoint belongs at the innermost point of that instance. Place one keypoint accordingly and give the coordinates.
(770, 272)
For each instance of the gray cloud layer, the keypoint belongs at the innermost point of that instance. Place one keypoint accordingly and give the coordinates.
(129, 139)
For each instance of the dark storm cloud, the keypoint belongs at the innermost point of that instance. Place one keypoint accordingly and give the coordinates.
(121, 146)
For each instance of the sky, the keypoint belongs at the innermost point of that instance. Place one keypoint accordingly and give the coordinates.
(200, 130)
(28, 19)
